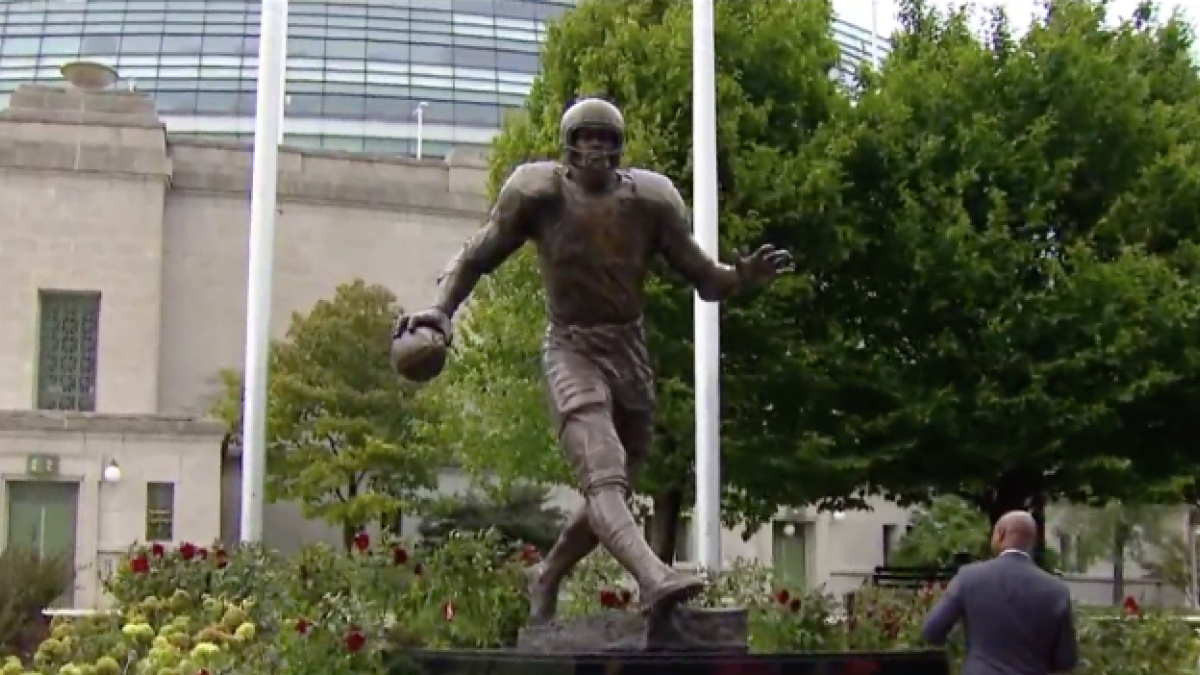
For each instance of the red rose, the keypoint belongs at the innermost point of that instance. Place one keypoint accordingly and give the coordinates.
(202, 672)
(362, 541)
(355, 640)
(448, 610)
(609, 599)
(399, 555)
(1131, 606)
(302, 627)
(782, 596)
(140, 564)
(187, 551)
(202, 553)
(157, 550)
(794, 605)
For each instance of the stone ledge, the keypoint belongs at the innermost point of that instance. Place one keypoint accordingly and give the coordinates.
(83, 158)
(18, 421)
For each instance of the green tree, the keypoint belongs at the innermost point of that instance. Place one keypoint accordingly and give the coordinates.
(1150, 535)
(1016, 220)
(519, 515)
(774, 91)
(947, 527)
(346, 438)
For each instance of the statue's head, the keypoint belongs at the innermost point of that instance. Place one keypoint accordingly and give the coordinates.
(593, 137)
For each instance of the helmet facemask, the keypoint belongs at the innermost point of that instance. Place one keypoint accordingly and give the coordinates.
(594, 147)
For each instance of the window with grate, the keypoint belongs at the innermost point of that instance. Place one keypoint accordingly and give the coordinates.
(67, 350)
(160, 511)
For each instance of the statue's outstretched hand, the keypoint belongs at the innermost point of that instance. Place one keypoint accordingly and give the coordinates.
(764, 265)
(427, 318)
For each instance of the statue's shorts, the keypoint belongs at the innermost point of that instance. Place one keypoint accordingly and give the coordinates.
(601, 390)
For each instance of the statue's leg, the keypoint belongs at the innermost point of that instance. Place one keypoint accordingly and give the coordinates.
(577, 540)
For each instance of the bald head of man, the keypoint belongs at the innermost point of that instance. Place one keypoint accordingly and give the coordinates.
(1015, 530)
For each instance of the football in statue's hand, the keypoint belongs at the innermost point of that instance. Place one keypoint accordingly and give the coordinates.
(419, 354)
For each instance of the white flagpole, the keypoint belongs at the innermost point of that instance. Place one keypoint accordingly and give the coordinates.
(267, 128)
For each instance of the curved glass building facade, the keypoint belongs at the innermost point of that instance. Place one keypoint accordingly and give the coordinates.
(358, 70)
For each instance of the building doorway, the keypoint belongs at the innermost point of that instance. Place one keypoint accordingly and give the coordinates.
(42, 519)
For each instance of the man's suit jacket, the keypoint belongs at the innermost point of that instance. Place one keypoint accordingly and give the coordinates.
(1017, 618)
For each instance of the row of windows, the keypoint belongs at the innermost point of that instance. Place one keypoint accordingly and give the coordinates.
(398, 9)
(379, 146)
(333, 106)
(381, 30)
(430, 52)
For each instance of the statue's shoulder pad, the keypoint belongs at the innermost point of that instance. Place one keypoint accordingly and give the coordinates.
(653, 186)
(535, 179)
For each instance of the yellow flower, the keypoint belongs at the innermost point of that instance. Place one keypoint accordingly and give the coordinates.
(234, 617)
(180, 600)
(107, 665)
(245, 631)
(49, 646)
(160, 642)
(69, 669)
(138, 631)
(61, 631)
(204, 650)
(119, 653)
(12, 666)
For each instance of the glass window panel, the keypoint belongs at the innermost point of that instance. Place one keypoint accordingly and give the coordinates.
(518, 62)
(305, 47)
(477, 114)
(250, 45)
(344, 143)
(515, 9)
(101, 44)
(247, 103)
(390, 25)
(67, 353)
(387, 51)
(358, 22)
(470, 57)
(439, 112)
(305, 105)
(181, 44)
(387, 146)
(217, 102)
(20, 46)
(218, 85)
(175, 101)
(160, 511)
(346, 49)
(351, 107)
(140, 44)
(59, 45)
(137, 14)
(425, 53)
(58, 17)
(387, 108)
(232, 30)
(222, 44)
(105, 19)
(436, 29)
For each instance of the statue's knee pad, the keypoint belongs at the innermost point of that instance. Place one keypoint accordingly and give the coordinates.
(593, 449)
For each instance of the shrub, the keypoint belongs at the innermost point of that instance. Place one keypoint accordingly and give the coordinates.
(249, 610)
(29, 583)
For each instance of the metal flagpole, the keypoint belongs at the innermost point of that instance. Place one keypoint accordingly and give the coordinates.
(707, 314)
(267, 125)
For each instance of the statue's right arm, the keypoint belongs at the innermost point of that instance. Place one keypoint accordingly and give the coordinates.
(503, 234)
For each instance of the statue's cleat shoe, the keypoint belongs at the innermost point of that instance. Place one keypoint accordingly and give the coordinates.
(543, 596)
(675, 588)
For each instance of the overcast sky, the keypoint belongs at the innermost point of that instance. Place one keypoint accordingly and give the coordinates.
(1019, 11)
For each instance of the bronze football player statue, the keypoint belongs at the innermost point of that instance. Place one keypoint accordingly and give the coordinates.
(597, 229)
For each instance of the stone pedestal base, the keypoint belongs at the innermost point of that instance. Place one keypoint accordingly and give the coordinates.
(682, 629)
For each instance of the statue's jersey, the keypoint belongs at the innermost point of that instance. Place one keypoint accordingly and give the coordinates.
(595, 250)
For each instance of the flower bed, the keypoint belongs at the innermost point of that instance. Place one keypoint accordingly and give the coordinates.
(196, 611)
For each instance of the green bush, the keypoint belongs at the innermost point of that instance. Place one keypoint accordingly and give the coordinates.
(249, 611)
(29, 583)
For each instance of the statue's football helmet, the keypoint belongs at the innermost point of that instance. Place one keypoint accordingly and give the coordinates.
(592, 113)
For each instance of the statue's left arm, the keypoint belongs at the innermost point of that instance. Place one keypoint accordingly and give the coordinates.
(713, 280)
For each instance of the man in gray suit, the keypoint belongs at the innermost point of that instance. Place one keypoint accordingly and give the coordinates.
(1017, 618)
